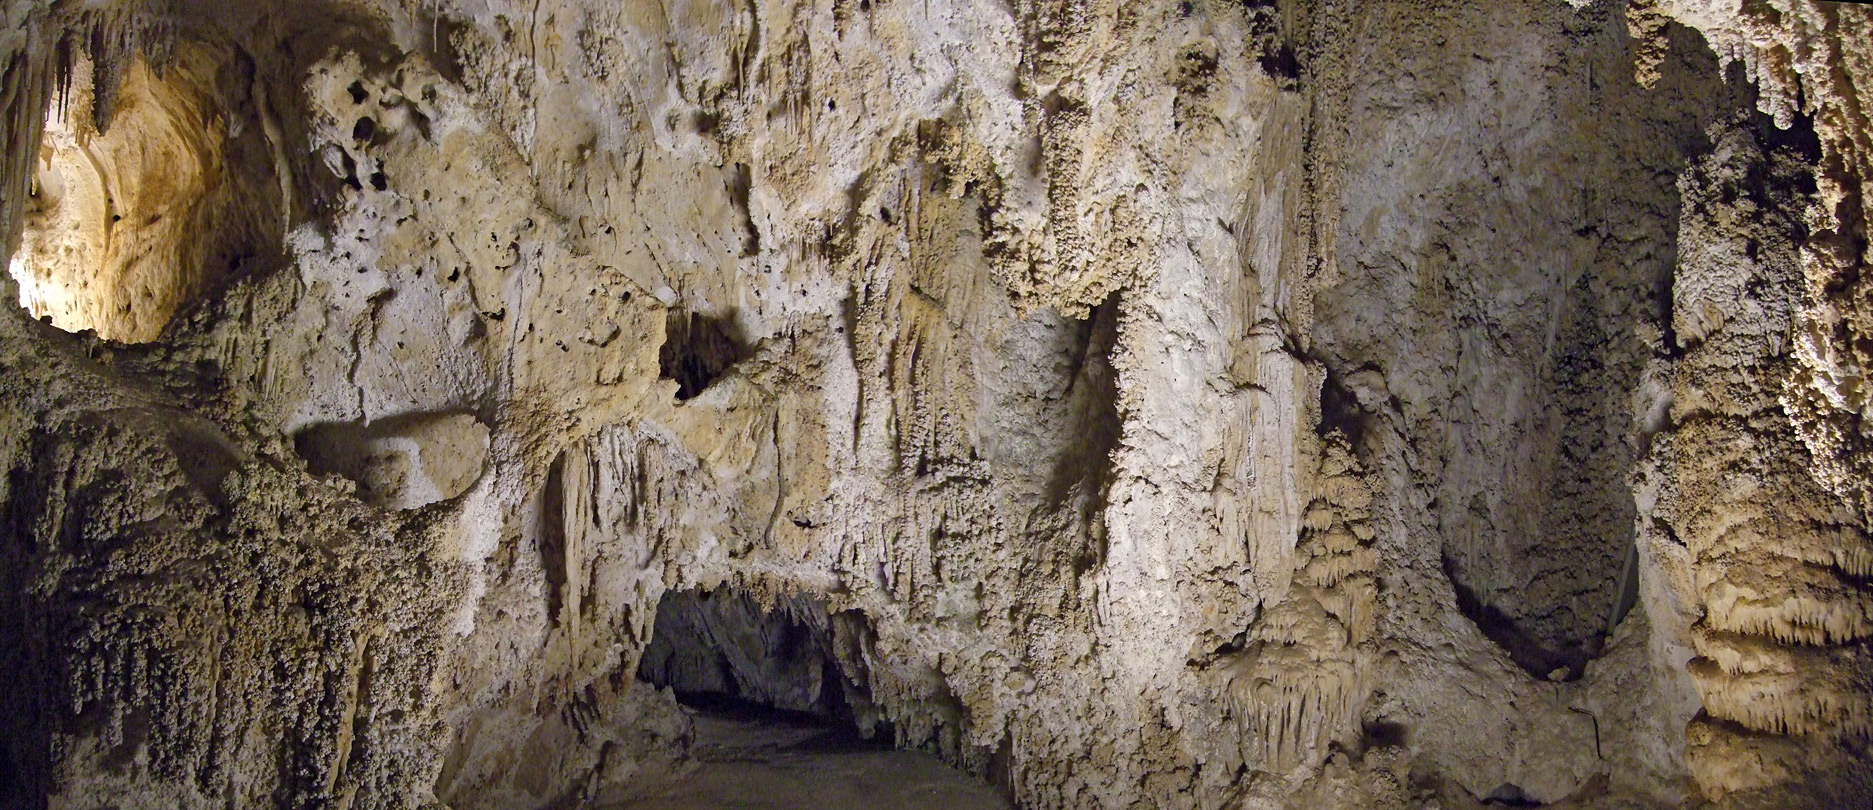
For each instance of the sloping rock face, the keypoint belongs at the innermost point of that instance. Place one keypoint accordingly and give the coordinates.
(1188, 404)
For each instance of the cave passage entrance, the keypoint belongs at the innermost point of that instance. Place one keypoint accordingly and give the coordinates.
(723, 651)
(782, 714)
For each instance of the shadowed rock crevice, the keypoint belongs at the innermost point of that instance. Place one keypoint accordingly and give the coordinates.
(697, 349)
(1091, 402)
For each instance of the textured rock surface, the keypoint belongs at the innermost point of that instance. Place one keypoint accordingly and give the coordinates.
(1135, 404)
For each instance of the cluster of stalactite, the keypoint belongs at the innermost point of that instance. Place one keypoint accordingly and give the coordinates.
(1304, 677)
(1777, 562)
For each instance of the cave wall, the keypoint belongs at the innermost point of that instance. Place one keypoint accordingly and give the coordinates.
(1183, 404)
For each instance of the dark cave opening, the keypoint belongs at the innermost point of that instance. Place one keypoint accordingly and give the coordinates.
(722, 650)
(778, 695)
(698, 349)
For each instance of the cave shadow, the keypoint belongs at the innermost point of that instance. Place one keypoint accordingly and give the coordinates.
(794, 664)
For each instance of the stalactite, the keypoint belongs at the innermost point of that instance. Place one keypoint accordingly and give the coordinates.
(1303, 680)
(24, 86)
(1777, 562)
(111, 38)
(1790, 600)
(1819, 700)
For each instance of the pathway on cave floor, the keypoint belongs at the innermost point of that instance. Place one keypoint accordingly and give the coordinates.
(742, 764)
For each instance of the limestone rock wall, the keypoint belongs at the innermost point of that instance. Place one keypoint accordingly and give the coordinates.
(1175, 404)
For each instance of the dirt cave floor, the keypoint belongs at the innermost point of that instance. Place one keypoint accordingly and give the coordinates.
(745, 759)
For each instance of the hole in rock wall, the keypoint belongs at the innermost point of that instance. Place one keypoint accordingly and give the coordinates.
(1092, 396)
(783, 716)
(141, 203)
(1340, 411)
(722, 649)
(697, 349)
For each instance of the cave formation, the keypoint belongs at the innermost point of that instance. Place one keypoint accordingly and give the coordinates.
(857, 403)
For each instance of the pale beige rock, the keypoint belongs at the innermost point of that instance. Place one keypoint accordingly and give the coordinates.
(1134, 404)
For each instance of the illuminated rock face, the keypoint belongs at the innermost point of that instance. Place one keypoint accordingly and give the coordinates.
(132, 217)
(1175, 404)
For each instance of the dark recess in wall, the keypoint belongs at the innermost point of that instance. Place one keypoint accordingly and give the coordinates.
(723, 651)
(1092, 394)
(697, 349)
(1524, 648)
(1340, 411)
(553, 538)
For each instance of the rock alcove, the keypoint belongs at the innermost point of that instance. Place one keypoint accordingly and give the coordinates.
(782, 712)
(144, 196)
